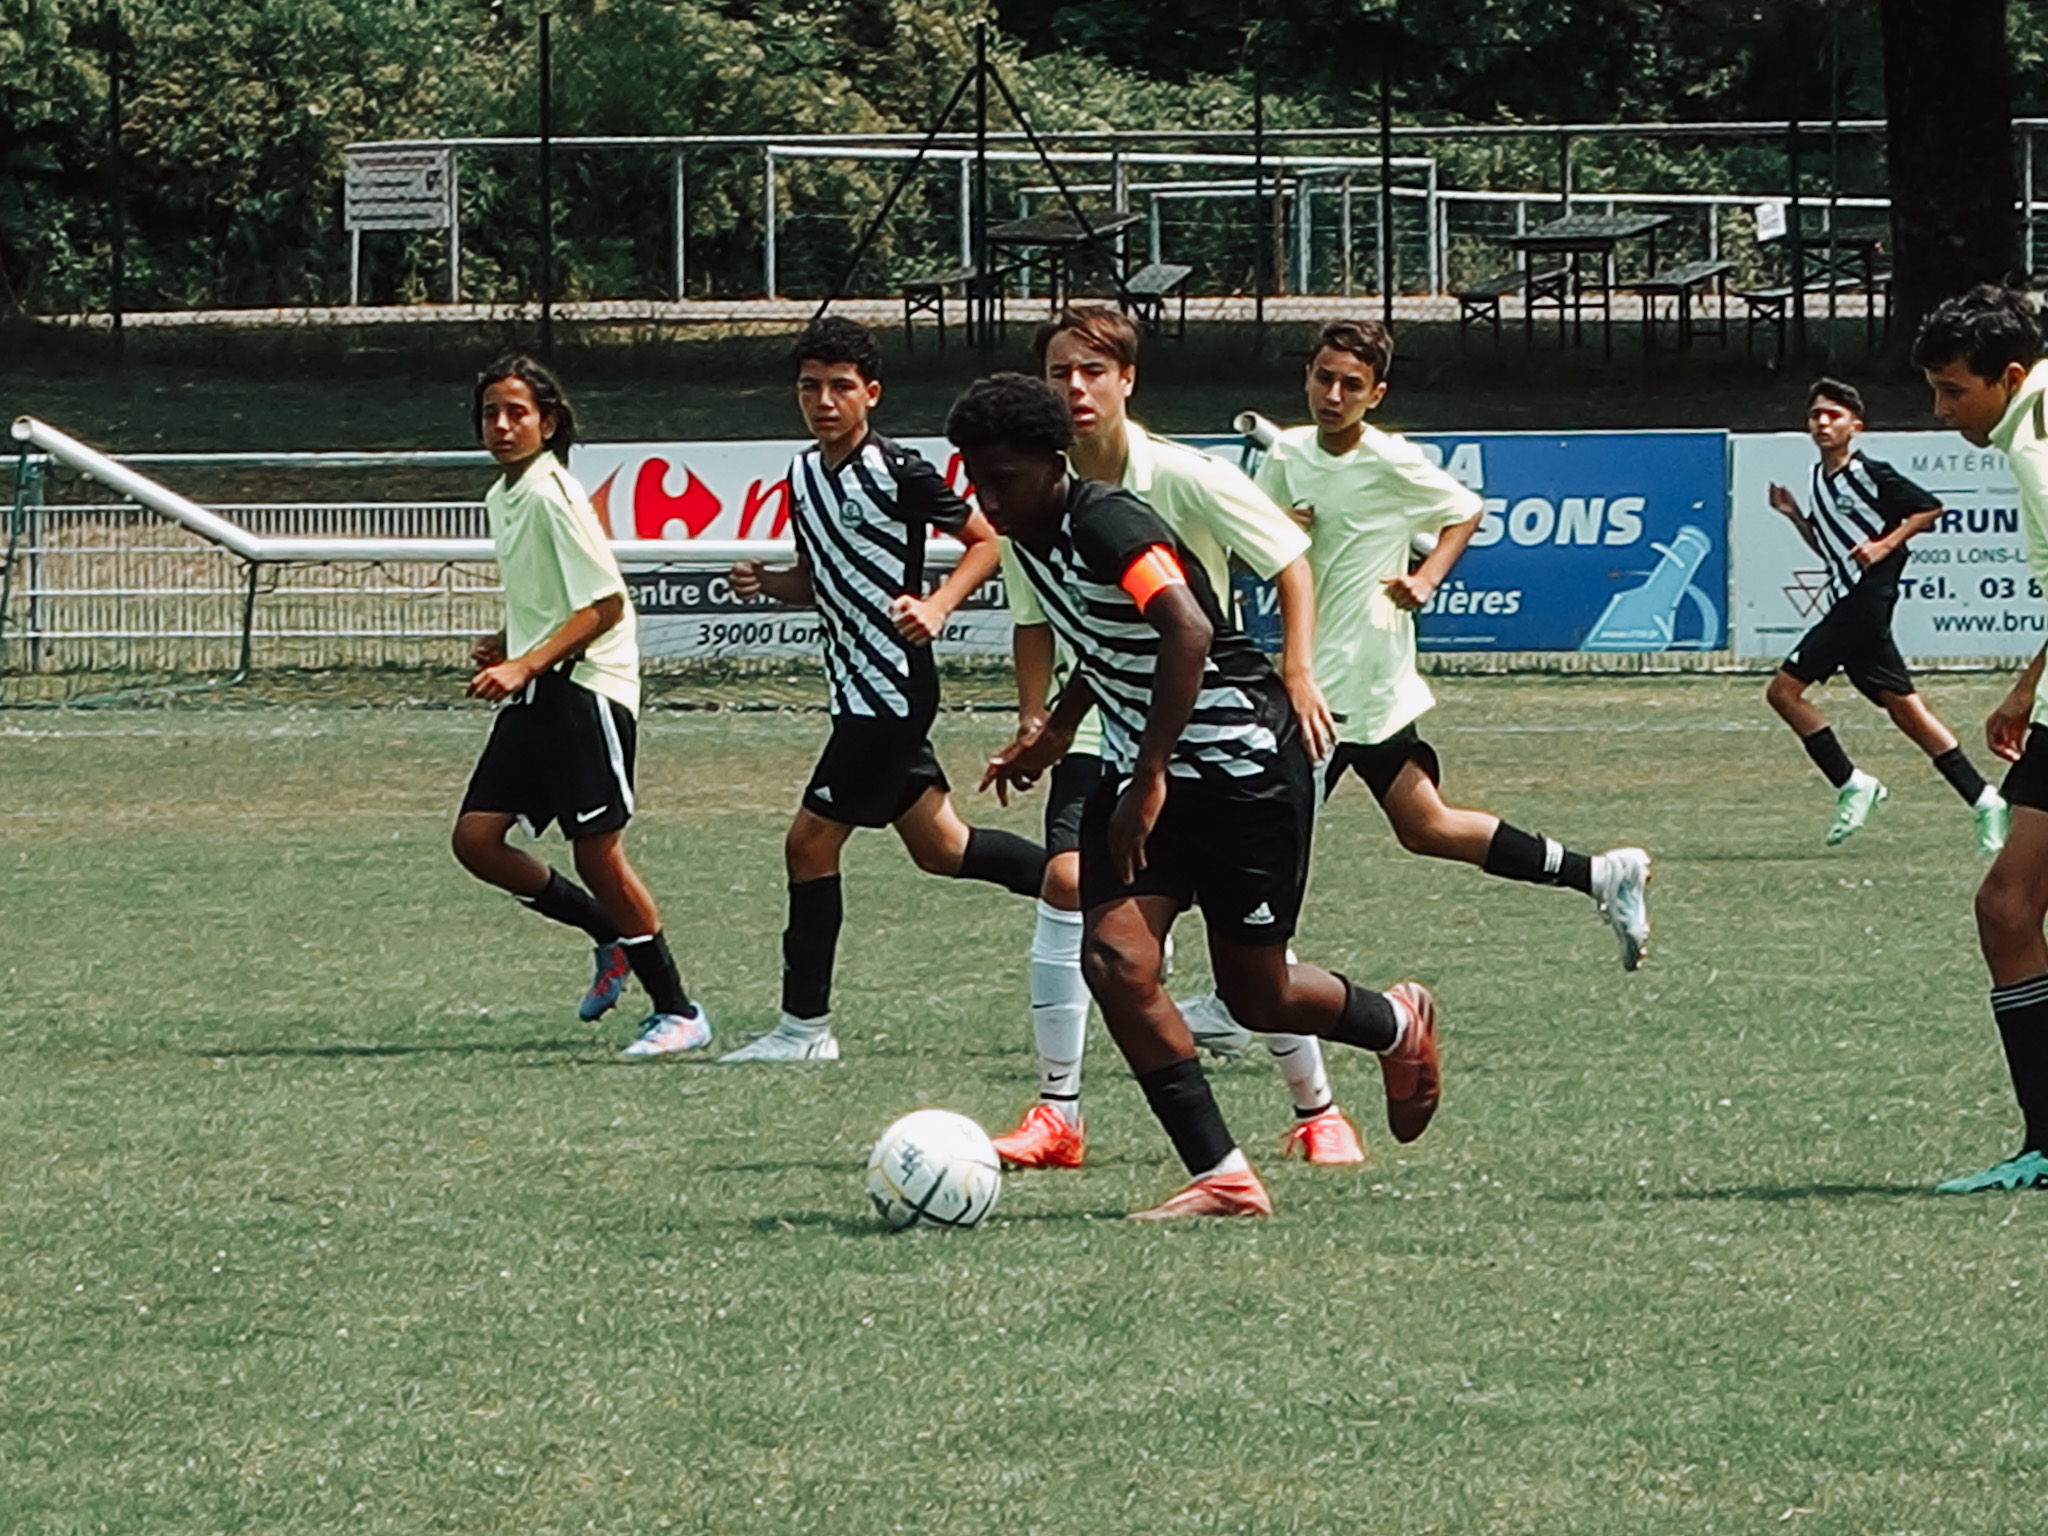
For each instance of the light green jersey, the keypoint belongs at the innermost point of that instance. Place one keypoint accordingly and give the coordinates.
(2022, 436)
(554, 559)
(1363, 509)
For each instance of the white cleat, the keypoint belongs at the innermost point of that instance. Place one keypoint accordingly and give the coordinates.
(790, 1040)
(671, 1034)
(1215, 1031)
(1621, 889)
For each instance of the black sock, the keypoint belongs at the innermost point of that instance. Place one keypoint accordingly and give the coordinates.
(1517, 855)
(567, 902)
(1181, 1101)
(656, 967)
(1828, 756)
(1961, 774)
(809, 945)
(1005, 859)
(2022, 1013)
(1367, 1021)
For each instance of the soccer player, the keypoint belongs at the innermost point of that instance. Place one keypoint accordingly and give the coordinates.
(1860, 513)
(565, 670)
(1207, 796)
(1364, 495)
(1090, 355)
(859, 508)
(1981, 354)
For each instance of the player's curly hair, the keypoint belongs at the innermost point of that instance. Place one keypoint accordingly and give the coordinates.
(547, 394)
(1989, 329)
(836, 339)
(1011, 410)
(1367, 340)
(1847, 396)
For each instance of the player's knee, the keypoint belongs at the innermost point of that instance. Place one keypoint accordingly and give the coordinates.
(1062, 885)
(473, 844)
(2006, 918)
(1782, 692)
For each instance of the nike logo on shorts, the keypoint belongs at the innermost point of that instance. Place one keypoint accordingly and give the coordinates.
(583, 816)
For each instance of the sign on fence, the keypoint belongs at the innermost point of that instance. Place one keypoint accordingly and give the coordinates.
(397, 189)
(1966, 591)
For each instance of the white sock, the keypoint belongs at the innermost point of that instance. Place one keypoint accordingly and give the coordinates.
(1858, 779)
(809, 1029)
(1236, 1162)
(1059, 1009)
(1300, 1060)
(1990, 797)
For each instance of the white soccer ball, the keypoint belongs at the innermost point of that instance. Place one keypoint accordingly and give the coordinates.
(935, 1168)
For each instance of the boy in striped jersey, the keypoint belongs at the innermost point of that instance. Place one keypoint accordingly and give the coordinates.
(1860, 512)
(1208, 797)
(859, 508)
(1981, 355)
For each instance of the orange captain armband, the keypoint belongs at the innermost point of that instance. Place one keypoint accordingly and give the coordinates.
(1151, 572)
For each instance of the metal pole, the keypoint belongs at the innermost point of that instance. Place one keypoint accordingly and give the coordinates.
(1259, 253)
(454, 226)
(981, 299)
(1795, 242)
(117, 212)
(966, 169)
(1436, 238)
(1564, 171)
(1120, 200)
(1386, 178)
(1834, 166)
(1304, 227)
(2027, 197)
(675, 173)
(355, 268)
(547, 186)
(1345, 237)
(1155, 230)
(768, 221)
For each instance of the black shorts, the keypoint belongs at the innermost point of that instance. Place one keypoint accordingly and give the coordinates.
(1072, 781)
(1855, 637)
(559, 753)
(1240, 849)
(2026, 781)
(873, 769)
(1381, 763)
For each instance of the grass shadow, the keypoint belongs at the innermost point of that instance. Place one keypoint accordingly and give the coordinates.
(1769, 1194)
(356, 1052)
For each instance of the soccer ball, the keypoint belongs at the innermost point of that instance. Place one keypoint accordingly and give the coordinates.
(936, 1168)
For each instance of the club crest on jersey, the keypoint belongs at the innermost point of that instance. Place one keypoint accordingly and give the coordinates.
(851, 513)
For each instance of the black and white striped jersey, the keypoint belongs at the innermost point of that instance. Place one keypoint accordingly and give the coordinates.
(1242, 719)
(861, 531)
(1865, 499)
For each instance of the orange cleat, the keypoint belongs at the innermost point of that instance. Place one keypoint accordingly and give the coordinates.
(1327, 1138)
(1044, 1140)
(1221, 1194)
(1413, 1076)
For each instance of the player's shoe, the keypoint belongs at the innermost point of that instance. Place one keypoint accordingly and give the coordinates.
(1621, 889)
(1410, 1069)
(1853, 804)
(1215, 1031)
(670, 1034)
(608, 985)
(1221, 1194)
(1994, 817)
(1044, 1140)
(2027, 1171)
(1326, 1138)
(788, 1041)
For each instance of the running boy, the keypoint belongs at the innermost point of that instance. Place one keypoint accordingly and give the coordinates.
(566, 671)
(1981, 354)
(859, 508)
(1860, 514)
(1208, 796)
(1090, 355)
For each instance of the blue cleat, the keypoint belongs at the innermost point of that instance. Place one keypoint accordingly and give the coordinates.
(608, 985)
(2027, 1171)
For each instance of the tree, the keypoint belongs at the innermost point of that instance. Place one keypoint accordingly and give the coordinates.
(1948, 98)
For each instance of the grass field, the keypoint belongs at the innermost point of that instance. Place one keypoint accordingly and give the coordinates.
(322, 1213)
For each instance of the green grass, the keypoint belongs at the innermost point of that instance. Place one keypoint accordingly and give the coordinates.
(322, 1213)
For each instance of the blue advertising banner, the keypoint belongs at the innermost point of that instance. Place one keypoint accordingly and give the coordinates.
(1591, 541)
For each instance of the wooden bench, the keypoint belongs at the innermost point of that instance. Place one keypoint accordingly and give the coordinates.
(1772, 307)
(1479, 303)
(1682, 283)
(1146, 291)
(927, 296)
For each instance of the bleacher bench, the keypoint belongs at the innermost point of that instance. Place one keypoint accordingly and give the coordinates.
(1683, 283)
(1772, 306)
(1479, 303)
(927, 296)
(1146, 291)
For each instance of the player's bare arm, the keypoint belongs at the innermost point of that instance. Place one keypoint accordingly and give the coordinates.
(2006, 731)
(1031, 657)
(1296, 585)
(1871, 551)
(1184, 636)
(490, 650)
(1786, 505)
(1039, 743)
(920, 620)
(508, 676)
(789, 584)
(1412, 590)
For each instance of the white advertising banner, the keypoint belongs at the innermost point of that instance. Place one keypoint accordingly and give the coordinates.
(736, 490)
(1966, 591)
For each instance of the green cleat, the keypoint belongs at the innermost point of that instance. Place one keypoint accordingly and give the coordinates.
(1993, 816)
(1853, 805)
(2027, 1171)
